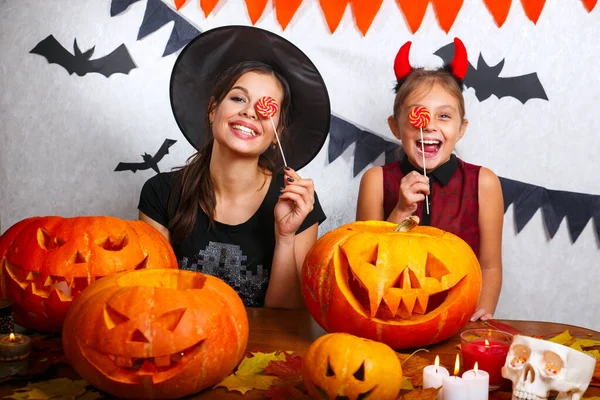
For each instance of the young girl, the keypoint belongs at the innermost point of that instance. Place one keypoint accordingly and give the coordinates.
(464, 199)
(228, 212)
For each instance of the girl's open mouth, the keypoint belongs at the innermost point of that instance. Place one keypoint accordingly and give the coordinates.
(430, 147)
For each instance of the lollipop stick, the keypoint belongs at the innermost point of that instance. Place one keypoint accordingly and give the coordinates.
(424, 169)
(278, 141)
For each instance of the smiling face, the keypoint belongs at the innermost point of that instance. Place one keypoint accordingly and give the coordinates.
(440, 136)
(235, 122)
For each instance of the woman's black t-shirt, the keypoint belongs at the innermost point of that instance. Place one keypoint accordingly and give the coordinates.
(240, 255)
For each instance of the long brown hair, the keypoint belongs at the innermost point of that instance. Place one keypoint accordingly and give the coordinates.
(194, 185)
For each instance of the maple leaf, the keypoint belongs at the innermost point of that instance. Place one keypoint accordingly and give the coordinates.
(286, 392)
(289, 370)
(420, 394)
(250, 373)
(412, 368)
(62, 387)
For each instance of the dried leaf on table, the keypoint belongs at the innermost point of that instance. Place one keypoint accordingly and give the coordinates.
(581, 344)
(406, 384)
(286, 392)
(420, 394)
(62, 388)
(250, 373)
(500, 326)
(289, 370)
(412, 367)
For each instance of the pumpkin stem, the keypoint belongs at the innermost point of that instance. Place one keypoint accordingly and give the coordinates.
(407, 224)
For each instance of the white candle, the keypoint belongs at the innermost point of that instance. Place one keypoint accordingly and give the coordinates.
(454, 387)
(433, 375)
(478, 383)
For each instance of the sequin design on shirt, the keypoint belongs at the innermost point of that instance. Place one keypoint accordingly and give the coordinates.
(227, 262)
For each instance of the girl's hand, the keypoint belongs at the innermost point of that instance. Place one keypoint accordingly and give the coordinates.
(295, 202)
(413, 188)
(482, 315)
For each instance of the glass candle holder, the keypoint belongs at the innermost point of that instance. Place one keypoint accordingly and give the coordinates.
(7, 324)
(488, 348)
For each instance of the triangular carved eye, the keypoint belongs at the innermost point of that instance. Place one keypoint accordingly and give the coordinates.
(329, 371)
(113, 318)
(359, 375)
(435, 268)
(113, 243)
(48, 241)
(170, 320)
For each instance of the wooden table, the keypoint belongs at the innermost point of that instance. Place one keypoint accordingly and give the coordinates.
(294, 330)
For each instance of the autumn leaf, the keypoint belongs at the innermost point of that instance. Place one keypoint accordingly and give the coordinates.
(421, 394)
(412, 368)
(406, 384)
(581, 344)
(62, 388)
(286, 392)
(250, 373)
(289, 370)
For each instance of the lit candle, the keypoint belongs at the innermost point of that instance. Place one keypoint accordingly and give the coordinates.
(454, 387)
(478, 383)
(14, 347)
(433, 375)
(489, 349)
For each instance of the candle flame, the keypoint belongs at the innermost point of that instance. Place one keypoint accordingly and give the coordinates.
(475, 368)
(11, 337)
(437, 361)
(457, 365)
(487, 344)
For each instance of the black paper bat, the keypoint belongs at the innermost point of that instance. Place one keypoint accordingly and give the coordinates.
(119, 61)
(149, 161)
(486, 80)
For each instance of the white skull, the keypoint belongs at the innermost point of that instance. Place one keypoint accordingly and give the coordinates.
(536, 367)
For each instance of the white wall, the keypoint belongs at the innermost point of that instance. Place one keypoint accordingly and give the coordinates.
(62, 136)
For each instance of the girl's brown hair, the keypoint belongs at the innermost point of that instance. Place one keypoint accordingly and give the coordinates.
(194, 185)
(419, 77)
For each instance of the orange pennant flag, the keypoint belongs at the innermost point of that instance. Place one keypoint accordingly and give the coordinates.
(179, 3)
(285, 10)
(589, 4)
(334, 11)
(207, 6)
(533, 9)
(446, 11)
(255, 9)
(414, 12)
(364, 13)
(499, 10)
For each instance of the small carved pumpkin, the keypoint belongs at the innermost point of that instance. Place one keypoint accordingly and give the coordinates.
(406, 289)
(343, 366)
(47, 261)
(156, 334)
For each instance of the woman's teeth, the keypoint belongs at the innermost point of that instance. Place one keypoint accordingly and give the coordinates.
(244, 130)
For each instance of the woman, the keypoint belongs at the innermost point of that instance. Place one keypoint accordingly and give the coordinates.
(232, 211)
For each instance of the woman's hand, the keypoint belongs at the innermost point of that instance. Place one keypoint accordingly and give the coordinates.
(481, 314)
(413, 188)
(296, 201)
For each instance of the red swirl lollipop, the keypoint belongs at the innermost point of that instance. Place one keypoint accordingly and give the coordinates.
(267, 106)
(419, 117)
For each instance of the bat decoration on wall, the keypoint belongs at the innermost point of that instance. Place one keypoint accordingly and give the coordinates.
(149, 161)
(118, 61)
(486, 80)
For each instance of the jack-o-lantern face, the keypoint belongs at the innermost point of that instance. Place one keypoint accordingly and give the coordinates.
(406, 289)
(342, 366)
(51, 260)
(156, 334)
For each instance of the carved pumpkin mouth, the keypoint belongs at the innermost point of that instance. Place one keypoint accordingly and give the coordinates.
(135, 370)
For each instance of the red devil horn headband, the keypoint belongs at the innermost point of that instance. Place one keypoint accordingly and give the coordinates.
(458, 66)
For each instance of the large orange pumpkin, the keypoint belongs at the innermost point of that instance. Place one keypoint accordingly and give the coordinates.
(48, 261)
(343, 366)
(156, 333)
(406, 289)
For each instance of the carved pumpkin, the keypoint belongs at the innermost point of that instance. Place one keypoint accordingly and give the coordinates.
(48, 261)
(156, 333)
(406, 289)
(339, 365)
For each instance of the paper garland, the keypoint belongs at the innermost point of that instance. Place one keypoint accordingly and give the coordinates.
(364, 11)
(526, 199)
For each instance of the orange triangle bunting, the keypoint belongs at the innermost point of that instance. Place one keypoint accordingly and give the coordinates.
(207, 6)
(179, 3)
(364, 13)
(285, 10)
(533, 9)
(499, 10)
(334, 11)
(255, 9)
(446, 11)
(414, 12)
(589, 4)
